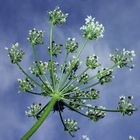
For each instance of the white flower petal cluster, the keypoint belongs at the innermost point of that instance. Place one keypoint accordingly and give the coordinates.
(131, 138)
(71, 45)
(123, 59)
(15, 54)
(125, 106)
(92, 29)
(95, 114)
(105, 76)
(85, 137)
(25, 85)
(57, 16)
(83, 78)
(92, 94)
(92, 62)
(71, 125)
(35, 37)
(39, 68)
(33, 109)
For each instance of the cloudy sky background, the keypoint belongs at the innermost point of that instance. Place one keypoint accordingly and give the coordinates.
(121, 21)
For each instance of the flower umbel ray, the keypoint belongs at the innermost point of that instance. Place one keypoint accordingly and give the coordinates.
(67, 87)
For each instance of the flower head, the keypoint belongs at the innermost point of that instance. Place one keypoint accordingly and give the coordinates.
(71, 125)
(105, 76)
(15, 54)
(35, 37)
(57, 16)
(71, 45)
(125, 106)
(39, 68)
(95, 114)
(33, 110)
(92, 62)
(123, 59)
(25, 85)
(85, 137)
(92, 29)
(131, 138)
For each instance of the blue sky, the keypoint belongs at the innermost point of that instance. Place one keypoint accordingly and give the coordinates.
(121, 21)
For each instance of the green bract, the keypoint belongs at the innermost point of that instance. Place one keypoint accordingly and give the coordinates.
(67, 84)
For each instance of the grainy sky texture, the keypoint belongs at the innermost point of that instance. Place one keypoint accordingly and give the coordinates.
(122, 30)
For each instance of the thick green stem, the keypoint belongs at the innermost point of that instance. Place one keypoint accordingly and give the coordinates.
(41, 119)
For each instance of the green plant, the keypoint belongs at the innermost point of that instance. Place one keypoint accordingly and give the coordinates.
(64, 86)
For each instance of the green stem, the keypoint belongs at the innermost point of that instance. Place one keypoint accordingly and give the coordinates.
(37, 60)
(92, 85)
(91, 78)
(51, 57)
(28, 75)
(106, 110)
(41, 119)
(71, 67)
(73, 109)
(35, 93)
(73, 80)
(60, 79)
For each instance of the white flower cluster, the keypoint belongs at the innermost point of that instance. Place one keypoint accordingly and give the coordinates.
(131, 138)
(85, 137)
(123, 59)
(56, 49)
(33, 110)
(92, 94)
(15, 54)
(25, 85)
(35, 37)
(96, 113)
(71, 45)
(125, 106)
(71, 125)
(105, 76)
(91, 62)
(92, 29)
(83, 78)
(39, 68)
(57, 16)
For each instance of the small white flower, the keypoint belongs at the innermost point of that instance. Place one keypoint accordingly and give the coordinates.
(131, 138)
(92, 29)
(85, 137)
